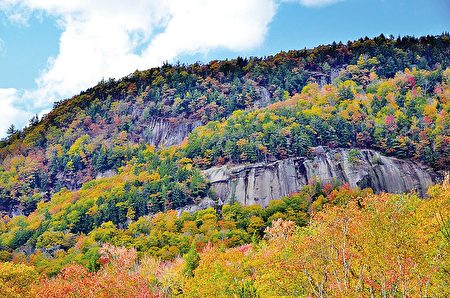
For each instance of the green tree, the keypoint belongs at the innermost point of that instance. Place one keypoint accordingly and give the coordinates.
(192, 259)
(11, 130)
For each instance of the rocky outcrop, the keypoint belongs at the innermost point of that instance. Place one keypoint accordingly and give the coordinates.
(262, 182)
(106, 174)
(201, 205)
(162, 132)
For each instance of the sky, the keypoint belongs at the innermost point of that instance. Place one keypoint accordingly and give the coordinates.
(53, 49)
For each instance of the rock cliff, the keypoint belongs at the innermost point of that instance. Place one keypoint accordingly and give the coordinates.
(259, 183)
(164, 133)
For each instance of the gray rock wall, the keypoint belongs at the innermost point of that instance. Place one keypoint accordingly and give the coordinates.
(262, 182)
(162, 133)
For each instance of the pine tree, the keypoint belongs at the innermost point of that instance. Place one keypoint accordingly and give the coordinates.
(11, 130)
(34, 120)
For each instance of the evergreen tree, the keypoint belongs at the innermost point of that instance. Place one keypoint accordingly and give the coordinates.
(11, 130)
(34, 120)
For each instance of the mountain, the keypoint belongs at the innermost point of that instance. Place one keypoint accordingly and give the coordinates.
(294, 133)
(102, 128)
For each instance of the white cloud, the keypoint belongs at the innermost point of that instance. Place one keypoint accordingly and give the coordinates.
(198, 26)
(9, 113)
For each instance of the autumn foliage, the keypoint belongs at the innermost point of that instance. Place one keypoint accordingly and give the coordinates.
(118, 277)
(377, 245)
(380, 245)
(99, 187)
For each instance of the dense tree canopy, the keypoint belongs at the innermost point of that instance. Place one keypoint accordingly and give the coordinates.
(365, 245)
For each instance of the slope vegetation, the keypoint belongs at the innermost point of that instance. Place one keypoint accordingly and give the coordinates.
(101, 129)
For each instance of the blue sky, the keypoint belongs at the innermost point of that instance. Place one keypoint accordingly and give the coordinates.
(51, 50)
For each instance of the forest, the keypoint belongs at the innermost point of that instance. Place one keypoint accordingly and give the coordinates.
(357, 244)
(92, 194)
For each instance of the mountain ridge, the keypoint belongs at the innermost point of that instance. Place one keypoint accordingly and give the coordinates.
(162, 105)
(98, 167)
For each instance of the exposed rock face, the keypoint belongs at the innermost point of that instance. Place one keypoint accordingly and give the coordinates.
(106, 174)
(262, 182)
(164, 133)
(203, 204)
(265, 98)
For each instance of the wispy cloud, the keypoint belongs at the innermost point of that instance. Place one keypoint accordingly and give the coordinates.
(313, 3)
(317, 3)
(9, 113)
(2, 47)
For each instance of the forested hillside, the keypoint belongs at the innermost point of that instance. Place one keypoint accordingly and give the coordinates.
(115, 166)
(102, 128)
(359, 245)
(395, 116)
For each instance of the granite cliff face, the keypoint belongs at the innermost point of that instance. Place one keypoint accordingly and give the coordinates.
(163, 133)
(262, 182)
